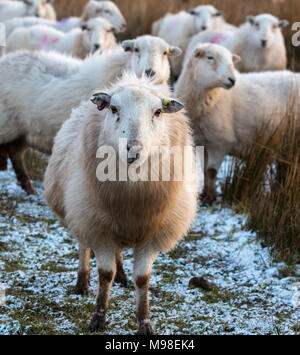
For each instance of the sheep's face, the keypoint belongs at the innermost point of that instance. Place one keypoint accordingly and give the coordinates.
(43, 7)
(138, 116)
(205, 17)
(264, 30)
(150, 56)
(98, 35)
(32, 7)
(214, 66)
(107, 10)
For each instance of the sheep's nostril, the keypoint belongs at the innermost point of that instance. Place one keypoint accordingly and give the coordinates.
(150, 73)
(128, 148)
(204, 28)
(264, 42)
(232, 81)
(96, 47)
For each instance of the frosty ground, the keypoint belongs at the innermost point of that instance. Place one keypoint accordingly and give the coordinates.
(38, 263)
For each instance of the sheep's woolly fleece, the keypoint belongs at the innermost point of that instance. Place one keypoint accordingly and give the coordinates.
(38, 264)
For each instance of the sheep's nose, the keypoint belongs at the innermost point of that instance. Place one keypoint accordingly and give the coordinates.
(264, 42)
(96, 47)
(150, 73)
(37, 15)
(204, 28)
(132, 160)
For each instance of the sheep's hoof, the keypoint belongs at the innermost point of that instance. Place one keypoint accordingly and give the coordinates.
(29, 189)
(3, 164)
(82, 291)
(97, 323)
(146, 329)
(122, 281)
(207, 199)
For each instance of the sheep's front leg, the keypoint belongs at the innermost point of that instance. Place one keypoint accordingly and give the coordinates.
(213, 161)
(121, 276)
(143, 260)
(83, 277)
(106, 260)
(3, 159)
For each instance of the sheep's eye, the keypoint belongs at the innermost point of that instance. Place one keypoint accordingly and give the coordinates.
(114, 110)
(210, 57)
(157, 113)
(257, 25)
(136, 50)
(165, 53)
(107, 12)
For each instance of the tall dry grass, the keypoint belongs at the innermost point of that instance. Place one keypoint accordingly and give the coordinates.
(267, 187)
(140, 14)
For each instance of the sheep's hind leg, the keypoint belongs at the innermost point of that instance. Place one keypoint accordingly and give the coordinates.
(3, 159)
(16, 152)
(143, 260)
(106, 260)
(83, 277)
(121, 276)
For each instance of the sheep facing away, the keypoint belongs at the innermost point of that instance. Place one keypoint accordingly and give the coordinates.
(228, 109)
(105, 9)
(55, 84)
(10, 9)
(95, 35)
(259, 42)
(178, 29)
(109, 216)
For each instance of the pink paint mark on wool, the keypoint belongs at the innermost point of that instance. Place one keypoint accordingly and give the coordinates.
(45, 41)
(219, 38)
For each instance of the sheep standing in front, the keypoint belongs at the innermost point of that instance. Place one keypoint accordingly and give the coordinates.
(95, 35)
(105, 9)
(259, 42)
(178, 29)
(109, 216)
(11, 9)
(228, 109)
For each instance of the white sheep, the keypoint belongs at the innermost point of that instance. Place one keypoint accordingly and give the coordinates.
(178, 29)
(105, 9)
(11, 9)
(28, 21)
(228, 109)
(38, 90)
(259, 42)
(95, 35)
(109, 216)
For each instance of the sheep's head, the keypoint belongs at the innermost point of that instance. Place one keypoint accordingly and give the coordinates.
(205, 17)
(214, 66)
(150, 55)
(264, 29)
(135, 113)
(32, 7)
(107, 10)
(97, 34)
(43, 8)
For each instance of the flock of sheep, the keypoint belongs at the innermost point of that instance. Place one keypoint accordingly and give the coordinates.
(68, 107)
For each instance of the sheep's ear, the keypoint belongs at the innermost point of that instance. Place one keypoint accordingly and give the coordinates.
(128, 45)
(250, 19)
(102, 100)
(283, 23)
(192, 12)
(171, 106)
(199, 52)
(174, 52)
(236, 58)
(218, 13)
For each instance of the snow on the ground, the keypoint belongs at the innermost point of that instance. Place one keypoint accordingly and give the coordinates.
(38, 265)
